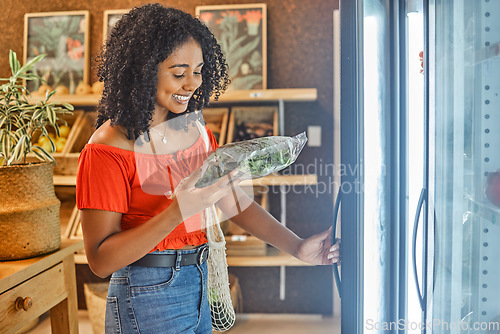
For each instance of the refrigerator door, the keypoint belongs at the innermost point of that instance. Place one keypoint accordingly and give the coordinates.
(417, 161)
(373, 165)
(463, 289)
(350, 124)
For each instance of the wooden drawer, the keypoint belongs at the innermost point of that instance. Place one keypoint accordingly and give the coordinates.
(45, 290)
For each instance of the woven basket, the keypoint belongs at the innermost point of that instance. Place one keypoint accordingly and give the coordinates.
(29, 211)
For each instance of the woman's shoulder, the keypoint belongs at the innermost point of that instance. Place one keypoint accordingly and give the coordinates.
(115, 136)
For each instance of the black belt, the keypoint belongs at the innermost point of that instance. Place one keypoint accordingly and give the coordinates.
(170, 260)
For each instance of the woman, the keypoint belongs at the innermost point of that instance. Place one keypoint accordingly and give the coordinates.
(159, 67)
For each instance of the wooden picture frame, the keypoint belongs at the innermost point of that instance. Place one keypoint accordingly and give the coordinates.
(110, 18)
(64, 38)
(241, 30)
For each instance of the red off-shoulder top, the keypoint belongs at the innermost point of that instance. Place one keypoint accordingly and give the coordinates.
(138, 184)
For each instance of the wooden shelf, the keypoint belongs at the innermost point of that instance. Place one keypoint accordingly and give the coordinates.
(81, 258)
(65, 180)
(271, 180)
(275, 258)
(75, 100)
(277, 180)
(263, 95)
(254, 95)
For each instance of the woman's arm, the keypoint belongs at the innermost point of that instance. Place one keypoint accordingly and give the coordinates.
(258, 222)
(261, 224)
(108, 248)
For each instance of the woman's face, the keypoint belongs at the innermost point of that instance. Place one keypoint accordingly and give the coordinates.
(179, 76)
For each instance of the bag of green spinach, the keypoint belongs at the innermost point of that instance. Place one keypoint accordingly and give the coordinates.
(252, 158)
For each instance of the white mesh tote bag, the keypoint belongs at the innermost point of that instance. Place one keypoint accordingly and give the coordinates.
(219, 297)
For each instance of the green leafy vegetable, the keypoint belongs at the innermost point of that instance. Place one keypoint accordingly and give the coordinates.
(252, 158)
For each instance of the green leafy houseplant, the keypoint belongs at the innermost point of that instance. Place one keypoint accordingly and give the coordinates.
(29, 208)
(20, 119)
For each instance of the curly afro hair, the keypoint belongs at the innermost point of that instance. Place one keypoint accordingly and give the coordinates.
(138, 43)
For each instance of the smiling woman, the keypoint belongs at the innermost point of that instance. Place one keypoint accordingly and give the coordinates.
(133, 53)
(178, 78)
(159, 67)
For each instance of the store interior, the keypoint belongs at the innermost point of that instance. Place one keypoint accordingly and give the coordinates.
(274, 293)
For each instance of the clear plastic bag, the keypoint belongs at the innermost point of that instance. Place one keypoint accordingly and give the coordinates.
(253, 158)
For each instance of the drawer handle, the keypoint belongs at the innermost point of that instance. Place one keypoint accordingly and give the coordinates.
(23, 303)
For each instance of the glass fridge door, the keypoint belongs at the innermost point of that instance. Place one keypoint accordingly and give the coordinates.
(464, 185)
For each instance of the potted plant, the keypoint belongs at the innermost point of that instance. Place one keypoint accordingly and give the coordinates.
(29, 209)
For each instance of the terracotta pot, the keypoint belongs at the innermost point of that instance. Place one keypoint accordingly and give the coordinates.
(29, 211)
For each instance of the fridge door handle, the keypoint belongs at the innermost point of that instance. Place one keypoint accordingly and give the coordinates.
(421, 200)
(334, 239)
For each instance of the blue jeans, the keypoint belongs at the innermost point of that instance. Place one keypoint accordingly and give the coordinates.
(159, 300)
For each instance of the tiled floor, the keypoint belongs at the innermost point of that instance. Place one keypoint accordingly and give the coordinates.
(245, 324)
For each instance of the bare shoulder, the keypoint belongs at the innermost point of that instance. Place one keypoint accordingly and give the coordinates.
(113, 136)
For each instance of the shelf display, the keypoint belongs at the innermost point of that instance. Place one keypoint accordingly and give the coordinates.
(216, 121)
(252, 122)
(81, 134)
(238, 241)
(61, 142)
(245, 245)
(81, 127)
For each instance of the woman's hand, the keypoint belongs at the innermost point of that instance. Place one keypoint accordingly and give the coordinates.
(318, 249)
(192, 200)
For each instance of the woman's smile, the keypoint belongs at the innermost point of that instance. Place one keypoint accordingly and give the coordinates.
(179, 76)
(182, 99)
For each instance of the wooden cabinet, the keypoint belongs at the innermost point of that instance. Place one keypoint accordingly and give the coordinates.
(29, 288)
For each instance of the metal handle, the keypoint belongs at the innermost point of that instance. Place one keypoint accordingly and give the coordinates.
(23, 303)
(414, 245)
(334, 240)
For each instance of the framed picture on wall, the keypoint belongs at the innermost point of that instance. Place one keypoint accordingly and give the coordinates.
(111, 16)
(241, 30)
(64, 38)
